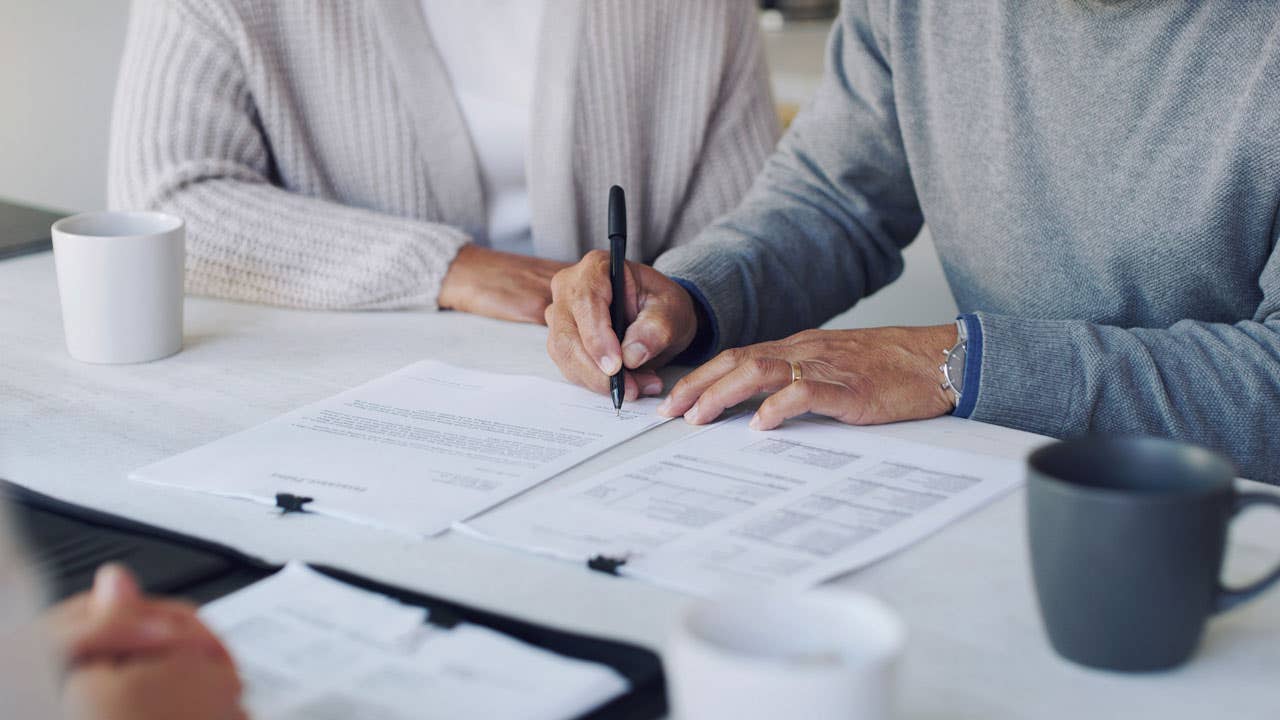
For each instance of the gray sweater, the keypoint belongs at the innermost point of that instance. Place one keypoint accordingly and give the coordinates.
(320, 159)
(1100, 181)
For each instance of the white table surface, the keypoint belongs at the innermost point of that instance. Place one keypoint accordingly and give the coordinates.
(976, 649)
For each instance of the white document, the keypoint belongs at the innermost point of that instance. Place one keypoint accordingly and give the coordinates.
(311, 648)
(731, 507)
(413, 451)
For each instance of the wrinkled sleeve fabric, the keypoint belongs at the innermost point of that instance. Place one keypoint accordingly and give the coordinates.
(1209, 383)
(825, 223)
(185, 139)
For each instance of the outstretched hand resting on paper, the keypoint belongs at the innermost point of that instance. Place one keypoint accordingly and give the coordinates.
(860, 377)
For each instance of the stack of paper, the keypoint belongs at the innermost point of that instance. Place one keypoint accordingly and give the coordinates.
(309, 648)
(431, 446)
(414, 451)
(731, 507)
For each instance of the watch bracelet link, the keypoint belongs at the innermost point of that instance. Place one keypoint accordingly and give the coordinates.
(954, 380)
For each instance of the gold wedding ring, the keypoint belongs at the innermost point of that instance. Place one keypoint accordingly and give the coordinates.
(796, 375)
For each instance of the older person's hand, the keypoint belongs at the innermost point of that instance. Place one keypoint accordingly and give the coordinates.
(183, 684)
(130, 656)
(114, 621)
(581, 341)
(498, 284)
(860, 377)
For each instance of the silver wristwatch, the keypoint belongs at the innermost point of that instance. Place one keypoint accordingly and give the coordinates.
(953, 366)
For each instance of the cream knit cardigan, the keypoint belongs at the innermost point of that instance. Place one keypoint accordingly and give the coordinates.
(319, 158)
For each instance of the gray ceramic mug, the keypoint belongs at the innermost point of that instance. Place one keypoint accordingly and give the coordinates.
(1127, 543)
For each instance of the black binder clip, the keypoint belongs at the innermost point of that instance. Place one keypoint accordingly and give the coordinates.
(606, 564)
(443, 618)
(290, 503)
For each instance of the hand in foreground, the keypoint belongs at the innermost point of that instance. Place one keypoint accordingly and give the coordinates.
(183, 684)
(129, 656)
(499, 285)
(581, 341)
(860, 377)
(113, 621)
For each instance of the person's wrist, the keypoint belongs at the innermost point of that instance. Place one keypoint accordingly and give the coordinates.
(935, 341)
(704, 336)
(701, 320)
(453, 287)
(694, 320)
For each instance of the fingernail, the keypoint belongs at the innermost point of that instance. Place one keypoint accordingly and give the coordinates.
(755, 422)
(156, 629)
(653, 388)
(664, 407)
(635, 354)
(608, 365)
(692, 415)
(110, 587)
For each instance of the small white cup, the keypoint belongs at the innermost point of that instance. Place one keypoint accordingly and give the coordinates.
(120, 280)
(815, 655)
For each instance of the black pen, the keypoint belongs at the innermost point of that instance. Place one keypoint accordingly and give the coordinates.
(617, 268)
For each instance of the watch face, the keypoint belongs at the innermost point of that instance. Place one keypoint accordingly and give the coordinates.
(955, 367)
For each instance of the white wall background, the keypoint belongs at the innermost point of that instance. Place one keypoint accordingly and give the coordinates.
(58, 61)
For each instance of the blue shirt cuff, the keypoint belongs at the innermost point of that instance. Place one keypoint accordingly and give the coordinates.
(972, 366)
(708, 337)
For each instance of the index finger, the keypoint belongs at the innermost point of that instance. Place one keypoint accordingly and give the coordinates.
(587, 293)
(756, 375)
(83, 633)
(564, 344)
(686, 392)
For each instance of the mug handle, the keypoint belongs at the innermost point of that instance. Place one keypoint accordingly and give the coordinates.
(1231, 597)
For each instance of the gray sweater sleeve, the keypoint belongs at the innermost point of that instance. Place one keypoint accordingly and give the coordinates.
(825, 223)
(185, 139)
(1214, 384)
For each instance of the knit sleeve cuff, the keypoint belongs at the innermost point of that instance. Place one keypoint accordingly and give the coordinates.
(708, 338)
(972, 366)
(1029, 374)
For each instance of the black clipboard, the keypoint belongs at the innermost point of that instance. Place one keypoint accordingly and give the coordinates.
(69, 541)
(25, 229)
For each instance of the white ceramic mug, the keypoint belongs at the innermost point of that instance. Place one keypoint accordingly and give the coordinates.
(814, 655)
(120, 280)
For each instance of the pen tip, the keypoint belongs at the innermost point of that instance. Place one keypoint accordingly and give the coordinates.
(617, 411)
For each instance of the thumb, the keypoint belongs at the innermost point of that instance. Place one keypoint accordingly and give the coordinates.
(659, 327)
(114, 588)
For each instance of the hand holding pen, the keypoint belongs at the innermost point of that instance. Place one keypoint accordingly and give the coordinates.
(618, 285)
(658, 321)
